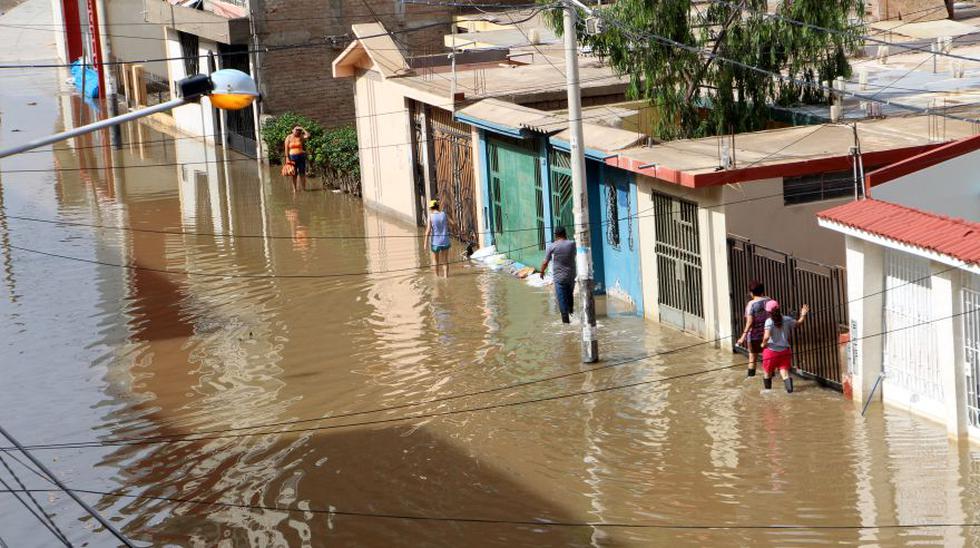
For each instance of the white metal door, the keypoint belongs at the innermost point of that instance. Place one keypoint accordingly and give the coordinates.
(971, 344)
(911, 367)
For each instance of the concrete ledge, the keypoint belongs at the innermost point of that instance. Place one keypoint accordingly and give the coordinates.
(204, 24)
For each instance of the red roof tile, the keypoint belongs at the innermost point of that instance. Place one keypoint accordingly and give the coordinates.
(954, 237)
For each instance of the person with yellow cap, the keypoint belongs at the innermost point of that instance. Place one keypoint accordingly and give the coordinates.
(437, 236)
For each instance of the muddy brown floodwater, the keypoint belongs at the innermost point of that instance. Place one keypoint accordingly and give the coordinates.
(184, 294)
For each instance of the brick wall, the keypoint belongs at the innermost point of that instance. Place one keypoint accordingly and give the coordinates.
(300, 80)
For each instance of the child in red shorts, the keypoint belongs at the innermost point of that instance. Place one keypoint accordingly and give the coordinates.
(777, 353)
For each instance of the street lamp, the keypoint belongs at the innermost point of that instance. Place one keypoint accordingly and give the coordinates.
(228, 89)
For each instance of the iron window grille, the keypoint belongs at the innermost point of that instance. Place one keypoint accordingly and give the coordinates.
(612, 215)
(189, 49)
(817, 187)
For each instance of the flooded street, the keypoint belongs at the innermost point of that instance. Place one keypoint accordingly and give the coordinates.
(188, 294)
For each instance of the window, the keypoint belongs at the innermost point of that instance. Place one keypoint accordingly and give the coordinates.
(612, 215)
(190, 52)
(819, 187)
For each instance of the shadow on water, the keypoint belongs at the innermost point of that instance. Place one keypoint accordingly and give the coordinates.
(406, 471)
(107, 351)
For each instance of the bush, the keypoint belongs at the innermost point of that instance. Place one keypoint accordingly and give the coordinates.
(331, 152)
(339, 152)
(275, 130)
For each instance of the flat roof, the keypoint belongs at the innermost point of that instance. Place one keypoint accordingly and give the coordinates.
(785, 152)
(517, 83)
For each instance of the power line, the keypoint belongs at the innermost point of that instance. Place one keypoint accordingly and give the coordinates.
(328, 40)
(635, 34)
(223, 434)
(40, 515)
(54, 480)
(192, 273)
(354, 15)
(865, 37)
(331, 511)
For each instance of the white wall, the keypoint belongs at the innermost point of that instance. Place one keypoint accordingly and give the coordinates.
(194, 119)
(755, 210)
(869, 334)
(384, 134)
(950, 188)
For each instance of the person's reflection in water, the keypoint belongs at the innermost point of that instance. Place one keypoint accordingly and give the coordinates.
(441, 317)
(299, 231)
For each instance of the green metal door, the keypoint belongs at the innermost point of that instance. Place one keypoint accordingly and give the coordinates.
(561, 190)
(518, 206)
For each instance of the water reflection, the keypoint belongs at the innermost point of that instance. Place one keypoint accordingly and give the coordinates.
(100, 351)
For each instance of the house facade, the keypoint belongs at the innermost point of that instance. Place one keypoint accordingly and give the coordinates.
(724, 213)
(415, 147)
(913, 259)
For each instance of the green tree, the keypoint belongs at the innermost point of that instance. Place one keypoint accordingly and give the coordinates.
(695, 95)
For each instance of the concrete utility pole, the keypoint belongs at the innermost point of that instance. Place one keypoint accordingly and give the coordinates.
(580, 198)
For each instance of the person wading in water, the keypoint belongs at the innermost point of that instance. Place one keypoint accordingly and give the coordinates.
(755, 324)
(437, 236)
(777, 353)
(295, 149)
(562, 252)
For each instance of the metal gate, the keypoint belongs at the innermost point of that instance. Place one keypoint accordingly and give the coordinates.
(516, 199)
(909, 359)
(678, 250)
(455, 186)
(971, 344)
(560, 173)
(419, 162)
(794, 282)
(239, 124)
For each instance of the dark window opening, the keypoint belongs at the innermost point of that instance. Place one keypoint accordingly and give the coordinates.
(189, 50)
(612, 215)
(819, 187)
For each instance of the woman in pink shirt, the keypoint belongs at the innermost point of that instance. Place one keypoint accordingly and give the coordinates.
(755, 319)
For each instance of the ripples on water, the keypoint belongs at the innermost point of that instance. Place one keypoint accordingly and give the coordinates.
(98, 352)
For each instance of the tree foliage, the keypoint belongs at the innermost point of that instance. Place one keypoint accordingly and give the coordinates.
(696, 96)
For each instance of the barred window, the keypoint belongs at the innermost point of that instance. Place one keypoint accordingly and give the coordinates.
(189, 50)
(612, 215)
(818, 187)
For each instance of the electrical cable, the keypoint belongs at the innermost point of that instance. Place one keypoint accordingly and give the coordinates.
(224, 433)
(192, 273)
(39, 514)
(328, 40)
(796, 22)
(536, 523)
(637, 34)
(351, 15)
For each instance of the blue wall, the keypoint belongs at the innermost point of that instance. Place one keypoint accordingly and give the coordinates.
(620, 263)
(616, 267)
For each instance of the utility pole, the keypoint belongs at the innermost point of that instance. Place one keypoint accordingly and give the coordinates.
(580, 198)
(50, 477)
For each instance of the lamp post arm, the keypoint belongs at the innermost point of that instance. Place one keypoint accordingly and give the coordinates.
(108, 122)
(580, 5)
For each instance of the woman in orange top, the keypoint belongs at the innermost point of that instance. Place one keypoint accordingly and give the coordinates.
(295, 151)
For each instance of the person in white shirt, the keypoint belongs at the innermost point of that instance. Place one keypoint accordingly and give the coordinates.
(776, 353)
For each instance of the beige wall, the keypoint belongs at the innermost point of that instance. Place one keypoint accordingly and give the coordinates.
(132, 38)
(755, 210)
(384, 133)
(713, 244)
